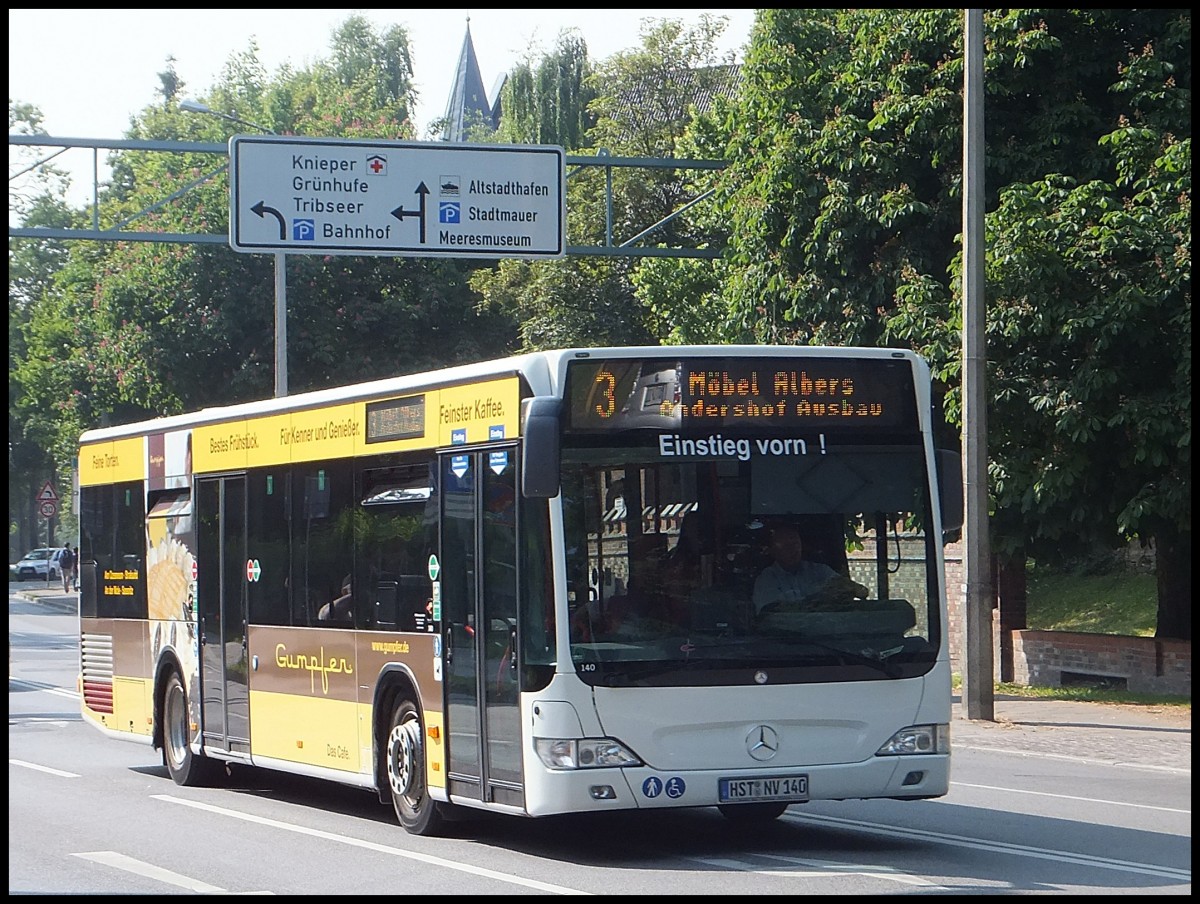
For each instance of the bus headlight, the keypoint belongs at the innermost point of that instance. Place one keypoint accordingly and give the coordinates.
(583, 753)
(917, 739)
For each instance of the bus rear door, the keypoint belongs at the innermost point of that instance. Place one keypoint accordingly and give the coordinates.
(479, 510)
(222, 598)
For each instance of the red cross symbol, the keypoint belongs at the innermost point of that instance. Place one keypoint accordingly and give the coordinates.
(377, 164)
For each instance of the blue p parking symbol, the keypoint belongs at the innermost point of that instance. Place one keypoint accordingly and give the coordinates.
(449, 212)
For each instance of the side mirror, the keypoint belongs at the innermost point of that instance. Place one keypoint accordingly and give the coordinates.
(540, 455)
(950, 489)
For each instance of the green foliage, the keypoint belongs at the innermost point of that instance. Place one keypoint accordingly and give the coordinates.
(843, 193)
(1097, 695)
(546, 102)
(640, 108)
(841, 209)
(560, 304)
(1088, 695)
(1097, 283)
(35, 197)
(643, 105)
(682, 300)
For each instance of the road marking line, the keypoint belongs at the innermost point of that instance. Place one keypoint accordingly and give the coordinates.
(997, 847)
(129, 865)
(378, 848)
(35, 766)
(39, 686)
(818, 869)
(1088, 800)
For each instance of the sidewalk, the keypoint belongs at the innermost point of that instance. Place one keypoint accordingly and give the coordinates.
(38, 592)
(1148, 736)
(1145, 736)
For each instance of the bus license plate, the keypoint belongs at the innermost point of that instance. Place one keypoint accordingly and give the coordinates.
(771, 787)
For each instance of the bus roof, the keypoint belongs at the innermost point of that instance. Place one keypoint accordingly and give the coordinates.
(543, 370)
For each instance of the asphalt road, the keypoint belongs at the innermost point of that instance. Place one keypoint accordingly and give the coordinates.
(1051, 797)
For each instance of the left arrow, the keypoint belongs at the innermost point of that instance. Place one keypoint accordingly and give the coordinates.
(400, 213)
(262, 209)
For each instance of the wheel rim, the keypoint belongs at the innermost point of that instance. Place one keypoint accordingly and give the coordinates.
(404, 763)
(176, 725)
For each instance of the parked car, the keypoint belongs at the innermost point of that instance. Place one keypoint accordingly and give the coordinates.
(35, 564)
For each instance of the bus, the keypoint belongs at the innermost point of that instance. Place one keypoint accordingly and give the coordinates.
(475, 588)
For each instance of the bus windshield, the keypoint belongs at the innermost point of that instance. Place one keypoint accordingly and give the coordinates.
(701, 572)
(769, 548)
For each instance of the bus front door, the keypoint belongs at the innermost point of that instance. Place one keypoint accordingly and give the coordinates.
(221, 601)
(479, 511)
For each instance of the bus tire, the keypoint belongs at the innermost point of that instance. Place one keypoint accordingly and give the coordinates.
(186, 768)
(753, 814)
(405, 765)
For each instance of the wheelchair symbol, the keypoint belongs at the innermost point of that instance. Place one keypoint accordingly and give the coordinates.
(449, 212)
(304, 230)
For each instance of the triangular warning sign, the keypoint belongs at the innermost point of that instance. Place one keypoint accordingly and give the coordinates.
(47, 493)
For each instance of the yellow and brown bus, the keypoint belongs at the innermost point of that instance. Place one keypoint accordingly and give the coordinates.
(464, 589)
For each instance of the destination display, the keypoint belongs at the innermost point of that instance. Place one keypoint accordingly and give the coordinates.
(339, 196)
(396, 419)
(698, 396)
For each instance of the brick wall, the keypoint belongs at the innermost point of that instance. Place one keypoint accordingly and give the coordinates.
(1145, 665)
(956, 579)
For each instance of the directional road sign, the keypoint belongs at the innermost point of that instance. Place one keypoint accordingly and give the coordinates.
(412, 199)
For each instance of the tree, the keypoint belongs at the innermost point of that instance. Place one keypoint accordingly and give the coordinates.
(546, 102)
(36, 196)
(130, 330)
(642, 106)
(1093, 437)
(843, 195)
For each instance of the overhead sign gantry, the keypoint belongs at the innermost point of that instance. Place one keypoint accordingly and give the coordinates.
(414, 199)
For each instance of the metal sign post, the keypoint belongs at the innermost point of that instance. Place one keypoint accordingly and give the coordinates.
(47, 501)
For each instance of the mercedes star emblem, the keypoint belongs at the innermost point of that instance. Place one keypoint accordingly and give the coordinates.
(762, 742)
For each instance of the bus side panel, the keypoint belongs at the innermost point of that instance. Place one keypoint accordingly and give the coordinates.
(303, 695)
(311, 693)
(304, 729)
(116, 683)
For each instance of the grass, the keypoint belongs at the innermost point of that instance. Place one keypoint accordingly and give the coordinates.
(1086, 695)
(1121, 601)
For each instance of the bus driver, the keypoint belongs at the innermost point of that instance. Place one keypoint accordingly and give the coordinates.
(792, 581)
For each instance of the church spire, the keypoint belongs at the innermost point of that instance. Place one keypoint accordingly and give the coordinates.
(468, 101)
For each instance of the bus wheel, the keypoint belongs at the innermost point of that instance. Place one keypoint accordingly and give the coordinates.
(185, 767)
(406, 772)
(747, 814)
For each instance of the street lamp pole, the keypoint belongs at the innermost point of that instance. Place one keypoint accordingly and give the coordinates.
(281, 376)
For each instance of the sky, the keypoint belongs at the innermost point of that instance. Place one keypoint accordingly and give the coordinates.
(90, 71)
